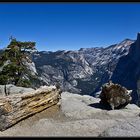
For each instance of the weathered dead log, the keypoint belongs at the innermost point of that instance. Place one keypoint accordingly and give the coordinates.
(14, 108)
(115, 95)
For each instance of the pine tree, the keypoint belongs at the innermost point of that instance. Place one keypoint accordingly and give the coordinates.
(12, 62)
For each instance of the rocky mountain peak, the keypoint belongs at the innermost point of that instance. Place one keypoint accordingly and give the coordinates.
(125, 43)
(127, 71)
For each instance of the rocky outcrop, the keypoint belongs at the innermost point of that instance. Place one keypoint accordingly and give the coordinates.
(78, 115)
(85, 106)
(127, 71)
(14, 108)
(115, 95)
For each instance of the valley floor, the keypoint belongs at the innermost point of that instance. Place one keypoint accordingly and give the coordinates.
(79, 116)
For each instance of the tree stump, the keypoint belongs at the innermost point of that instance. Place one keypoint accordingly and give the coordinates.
(115, 95)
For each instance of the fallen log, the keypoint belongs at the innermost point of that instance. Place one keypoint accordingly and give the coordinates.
(14, 108)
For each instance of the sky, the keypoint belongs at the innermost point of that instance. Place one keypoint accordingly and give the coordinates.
(69, 26)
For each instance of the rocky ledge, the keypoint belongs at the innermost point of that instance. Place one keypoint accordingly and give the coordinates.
(16, 107)
(77, 116)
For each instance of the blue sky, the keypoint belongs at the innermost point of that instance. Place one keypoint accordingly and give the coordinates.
(69, 26)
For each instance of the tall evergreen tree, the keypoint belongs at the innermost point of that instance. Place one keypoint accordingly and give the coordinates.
(12, 62)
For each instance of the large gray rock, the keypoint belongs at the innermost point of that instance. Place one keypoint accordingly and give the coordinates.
(82, 107)
(77, 116)
(127, 128)
(12, 89)
(48, 127)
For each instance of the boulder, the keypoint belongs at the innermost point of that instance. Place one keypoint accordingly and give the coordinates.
(115, 95)
(16, 107)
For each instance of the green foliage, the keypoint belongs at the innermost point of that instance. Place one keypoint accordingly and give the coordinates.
(1, 62)
(3, 79)
(24, 83)
(15, 53)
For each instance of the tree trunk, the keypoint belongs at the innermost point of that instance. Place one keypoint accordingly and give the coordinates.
(5, 90)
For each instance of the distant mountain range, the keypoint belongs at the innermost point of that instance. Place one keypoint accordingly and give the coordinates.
(84, 71)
